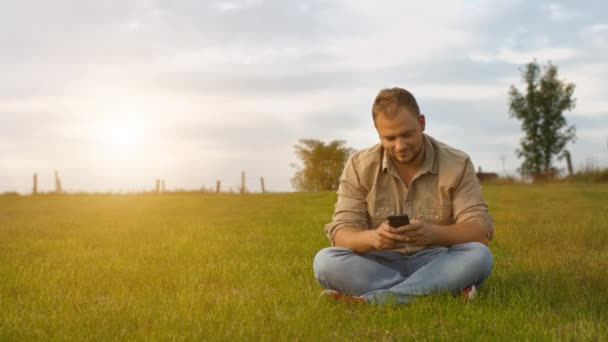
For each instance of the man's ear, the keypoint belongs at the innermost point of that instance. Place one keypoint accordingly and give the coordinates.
(422, 121)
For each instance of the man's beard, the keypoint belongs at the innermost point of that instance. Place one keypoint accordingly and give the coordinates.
(408, 159)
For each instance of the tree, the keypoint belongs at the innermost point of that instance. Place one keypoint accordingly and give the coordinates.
(540, 110)
(323, 164)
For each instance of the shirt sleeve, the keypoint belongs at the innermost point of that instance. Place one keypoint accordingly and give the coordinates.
(351, 207)
(468, 204)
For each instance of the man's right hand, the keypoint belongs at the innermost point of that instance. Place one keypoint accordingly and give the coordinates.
(386, 237)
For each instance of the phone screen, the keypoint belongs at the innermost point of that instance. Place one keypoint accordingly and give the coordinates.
(398, 220)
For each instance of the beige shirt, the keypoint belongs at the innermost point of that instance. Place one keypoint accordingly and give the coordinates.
(444, 191)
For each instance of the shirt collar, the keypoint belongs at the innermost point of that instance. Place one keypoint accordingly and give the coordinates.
(429, 164)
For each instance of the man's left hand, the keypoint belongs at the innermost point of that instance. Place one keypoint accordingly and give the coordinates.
(420, 233)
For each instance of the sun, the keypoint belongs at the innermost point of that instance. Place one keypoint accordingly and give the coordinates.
(120, 134)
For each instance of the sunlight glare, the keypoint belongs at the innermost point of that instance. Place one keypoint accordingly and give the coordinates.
(121, 134)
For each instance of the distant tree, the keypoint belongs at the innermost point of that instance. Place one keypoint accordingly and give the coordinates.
(540, 110)
(323, 164)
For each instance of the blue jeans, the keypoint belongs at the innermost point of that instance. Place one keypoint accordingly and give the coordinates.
(382, 276)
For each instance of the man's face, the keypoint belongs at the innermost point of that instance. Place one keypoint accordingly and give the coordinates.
(401, 136)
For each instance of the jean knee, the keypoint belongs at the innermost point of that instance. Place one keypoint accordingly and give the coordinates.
(481, 258)
(324, 262)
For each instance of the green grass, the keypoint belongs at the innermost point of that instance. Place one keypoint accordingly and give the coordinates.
(229, 266)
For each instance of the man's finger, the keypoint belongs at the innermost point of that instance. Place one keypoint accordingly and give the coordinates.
(388, 243)
(393, 236)
(408, 228)
(396, 237)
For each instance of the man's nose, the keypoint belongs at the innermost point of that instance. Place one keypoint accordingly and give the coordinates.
(400, 144)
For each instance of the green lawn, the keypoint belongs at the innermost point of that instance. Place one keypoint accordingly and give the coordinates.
(229, 266)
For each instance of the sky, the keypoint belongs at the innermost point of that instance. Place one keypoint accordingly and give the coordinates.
(115, 94)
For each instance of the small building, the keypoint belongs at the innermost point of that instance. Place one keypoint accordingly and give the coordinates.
(486, 176)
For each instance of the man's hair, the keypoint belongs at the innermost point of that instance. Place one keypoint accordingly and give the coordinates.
(389, 101)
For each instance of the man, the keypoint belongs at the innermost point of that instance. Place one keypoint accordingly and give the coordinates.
(444, 246)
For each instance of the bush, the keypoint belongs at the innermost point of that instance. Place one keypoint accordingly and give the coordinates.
(591, 175)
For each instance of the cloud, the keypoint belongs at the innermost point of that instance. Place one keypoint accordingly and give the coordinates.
(596, 35)
(225, 85)
(556, 54)
(591, 80)
(466, 92)
(558, 12)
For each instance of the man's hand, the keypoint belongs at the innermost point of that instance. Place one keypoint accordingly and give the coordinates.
(386, 237)
(419, 233)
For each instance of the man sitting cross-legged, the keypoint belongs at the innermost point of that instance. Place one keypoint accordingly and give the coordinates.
(444, 246)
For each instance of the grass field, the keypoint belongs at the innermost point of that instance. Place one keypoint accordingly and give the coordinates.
(228, 266)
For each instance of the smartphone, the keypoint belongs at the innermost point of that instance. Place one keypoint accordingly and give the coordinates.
(398, 220)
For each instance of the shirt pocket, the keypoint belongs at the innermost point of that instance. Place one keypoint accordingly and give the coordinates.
(379, 215)
(437, 215)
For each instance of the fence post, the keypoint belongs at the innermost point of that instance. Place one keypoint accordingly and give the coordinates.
(35, 190)
(569, 162)
(162, 186)
(262, 183)
(58, 189)
(157, 185)
(217, 186)
(243, 182)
